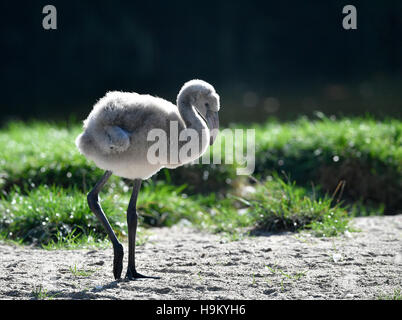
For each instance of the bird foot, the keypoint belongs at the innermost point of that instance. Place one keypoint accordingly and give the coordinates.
(118, 261)
(133, 275)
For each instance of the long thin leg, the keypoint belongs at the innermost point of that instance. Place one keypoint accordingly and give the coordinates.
(132, 221)
(93, 202)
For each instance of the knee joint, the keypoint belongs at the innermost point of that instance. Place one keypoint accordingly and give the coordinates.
(92, 199)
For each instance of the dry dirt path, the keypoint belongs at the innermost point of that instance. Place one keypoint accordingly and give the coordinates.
(196, 265)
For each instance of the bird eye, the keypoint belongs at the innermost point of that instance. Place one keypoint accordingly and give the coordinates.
(207, 104)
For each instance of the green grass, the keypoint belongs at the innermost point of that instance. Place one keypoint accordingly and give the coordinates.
(276, 270)
(47, 213)
(76, 272)
(283, 276)
(44, 180)
(366, 153)
(396, 295)
(74, 240)
(282, 206)
(40, 293)
(56, 217)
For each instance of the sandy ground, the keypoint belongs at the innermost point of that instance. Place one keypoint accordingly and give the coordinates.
(195, 265)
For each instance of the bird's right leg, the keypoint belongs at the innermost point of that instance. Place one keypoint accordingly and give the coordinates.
(93, 202)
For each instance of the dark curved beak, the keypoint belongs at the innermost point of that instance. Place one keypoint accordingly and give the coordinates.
(213, 125)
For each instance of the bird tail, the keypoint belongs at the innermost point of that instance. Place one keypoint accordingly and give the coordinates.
(84, 143)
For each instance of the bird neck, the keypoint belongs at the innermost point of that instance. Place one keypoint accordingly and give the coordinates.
(190, 116)
(194, 122)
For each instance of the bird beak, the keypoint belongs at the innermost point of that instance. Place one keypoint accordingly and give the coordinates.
(213, 125)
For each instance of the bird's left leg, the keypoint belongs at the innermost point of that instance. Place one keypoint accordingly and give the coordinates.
(132, 221)
(94, 205)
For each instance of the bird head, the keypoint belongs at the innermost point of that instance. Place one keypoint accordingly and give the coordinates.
(206, 101)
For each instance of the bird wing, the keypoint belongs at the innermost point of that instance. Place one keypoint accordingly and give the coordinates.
(118, 138)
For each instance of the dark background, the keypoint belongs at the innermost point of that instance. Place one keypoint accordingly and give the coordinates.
(265, 58)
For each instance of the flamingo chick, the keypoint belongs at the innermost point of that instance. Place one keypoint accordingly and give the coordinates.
(117, 138)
